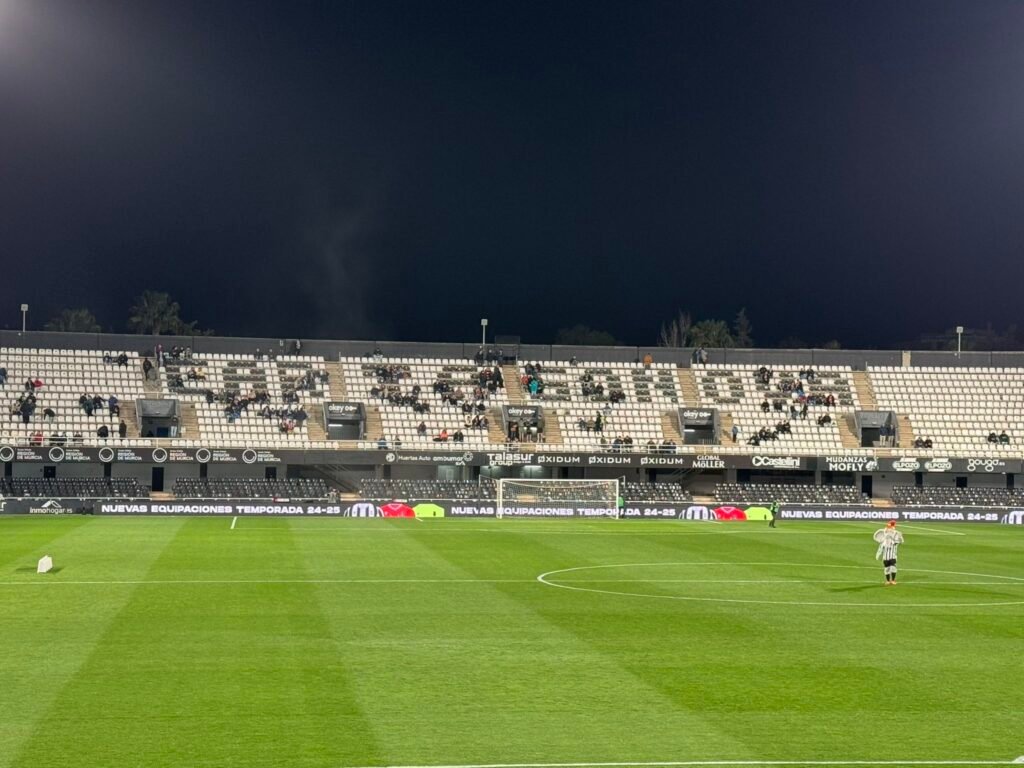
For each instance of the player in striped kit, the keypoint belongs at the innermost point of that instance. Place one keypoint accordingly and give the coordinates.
(889, 540)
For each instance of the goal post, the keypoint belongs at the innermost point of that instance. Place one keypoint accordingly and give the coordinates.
(558, 494)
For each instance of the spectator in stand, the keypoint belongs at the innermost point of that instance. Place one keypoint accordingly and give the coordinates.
(49, 414)
(1004, 439)
(382, 443)
(442, 436)
(122, 360)
(765, 406)
(534, 387)
(3, 377)
(648, 360)
(147, 368)
(36, 439)
(122, 430)
(513, 432)
(97, 403)
(103, 431)
(458, 437)
(421, 429)
(993, 437)
(824, 419)
(735, 433)
(573, 361)
(599, 422)
(114, 406)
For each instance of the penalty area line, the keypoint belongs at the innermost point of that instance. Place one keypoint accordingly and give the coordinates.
(233, 521)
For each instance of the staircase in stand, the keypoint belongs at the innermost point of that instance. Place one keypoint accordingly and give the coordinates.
(725, 423)
(315, 423)
(374, 425)
(130, 416)
(150, 386)
(513, 388)
(688, 387)
(336, 382)
(552, 428)
(905, 431)
(495, 426)
(189, 422)
(847, 430)
(865, 392)
(670, 426)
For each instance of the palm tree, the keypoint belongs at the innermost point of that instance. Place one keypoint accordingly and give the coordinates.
(74, 321)
(154, 313)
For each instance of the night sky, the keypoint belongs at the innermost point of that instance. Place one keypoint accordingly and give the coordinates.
(850, 170)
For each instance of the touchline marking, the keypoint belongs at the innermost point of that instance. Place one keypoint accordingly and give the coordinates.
(544, 579)
(233, 521)
(929, 528)
(684, 763)
(49, 582)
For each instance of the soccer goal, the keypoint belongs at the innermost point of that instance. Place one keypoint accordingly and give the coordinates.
(524, 498)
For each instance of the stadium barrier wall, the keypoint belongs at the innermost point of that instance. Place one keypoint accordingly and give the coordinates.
(460, 508)
(332, 348)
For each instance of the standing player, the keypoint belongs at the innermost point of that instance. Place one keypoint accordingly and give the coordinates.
(889, 540)
(774, 509)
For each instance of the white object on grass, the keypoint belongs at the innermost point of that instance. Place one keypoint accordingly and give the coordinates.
(45, 564)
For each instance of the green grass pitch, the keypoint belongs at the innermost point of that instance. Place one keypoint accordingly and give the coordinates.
(341, 643)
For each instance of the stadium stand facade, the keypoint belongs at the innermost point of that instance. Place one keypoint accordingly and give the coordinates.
(442, 420)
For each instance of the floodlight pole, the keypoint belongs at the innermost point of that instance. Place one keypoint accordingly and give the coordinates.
(959, 339)
(483, 332)
(24, 314)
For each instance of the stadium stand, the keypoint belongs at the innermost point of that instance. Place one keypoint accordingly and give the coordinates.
(242, 401)
(54, 415)
(915, 496)
(72, 487)
(245, 488)
(667, 492)
(766, 493)
(957, 408)
(630, 400)
(410, 391)
(757, 399)
(427, 489)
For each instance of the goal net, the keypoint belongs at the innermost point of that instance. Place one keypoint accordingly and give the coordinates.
(557, 498)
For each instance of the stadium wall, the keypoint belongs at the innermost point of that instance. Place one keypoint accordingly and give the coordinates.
(332, 348)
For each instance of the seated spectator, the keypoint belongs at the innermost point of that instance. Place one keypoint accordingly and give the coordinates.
(573, 361)
(396, 441)
(458, 437)
(122, 430)
(1004, 439)
(824, 419)
(382, 443)
(422, 428)
(583, 425)
(927, 442)
(652, 447)
(993, 437)
(513, 432)
(103, 431)
(97, 403)
(36, 439)
(122, 360)
(765, 406)
(3, 377)
(442, 436)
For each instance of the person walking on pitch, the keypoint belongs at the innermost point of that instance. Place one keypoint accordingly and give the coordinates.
(888, 540)
(774, 509)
